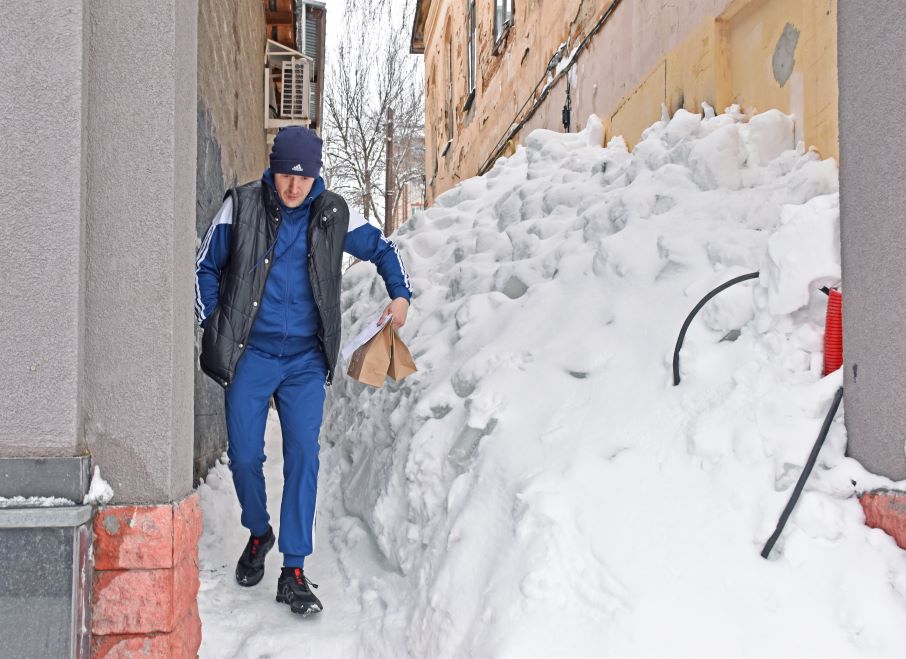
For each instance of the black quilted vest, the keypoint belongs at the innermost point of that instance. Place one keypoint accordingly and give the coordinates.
(256, 222)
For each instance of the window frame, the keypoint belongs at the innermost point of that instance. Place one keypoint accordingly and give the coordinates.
(449, 92)
(500, 31)
(472, 57)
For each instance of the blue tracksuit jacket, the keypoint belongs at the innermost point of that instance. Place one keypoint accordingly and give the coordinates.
(288, 317)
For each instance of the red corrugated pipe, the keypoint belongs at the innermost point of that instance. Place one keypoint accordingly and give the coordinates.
(833, 332)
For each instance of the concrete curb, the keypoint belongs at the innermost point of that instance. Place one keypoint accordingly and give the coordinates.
(50, 517)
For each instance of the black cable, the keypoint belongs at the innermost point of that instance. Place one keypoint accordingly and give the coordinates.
(698, 307)
(809, 464)
(567, 108)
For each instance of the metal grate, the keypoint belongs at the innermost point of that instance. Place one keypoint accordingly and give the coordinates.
(311, 38)
(312, 42)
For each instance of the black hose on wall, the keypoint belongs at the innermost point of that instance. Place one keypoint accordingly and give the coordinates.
(698, 307)
(806, 470)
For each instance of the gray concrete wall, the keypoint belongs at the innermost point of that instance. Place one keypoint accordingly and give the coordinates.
(872, 50)
(140, 229)
(41, 226)
(231, 149)
(97, 236)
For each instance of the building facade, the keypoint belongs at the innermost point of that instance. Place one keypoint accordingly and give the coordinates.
(301, 27)
(497, 69)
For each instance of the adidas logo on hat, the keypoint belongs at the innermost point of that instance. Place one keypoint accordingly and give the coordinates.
(297, 151)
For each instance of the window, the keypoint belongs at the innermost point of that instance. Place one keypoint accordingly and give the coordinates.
(503, 18)
(470, 74)
(432, 138)
(448, 109)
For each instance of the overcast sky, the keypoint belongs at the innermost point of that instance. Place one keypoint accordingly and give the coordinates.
(335, 19)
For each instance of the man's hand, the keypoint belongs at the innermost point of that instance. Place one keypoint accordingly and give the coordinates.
(398, 309)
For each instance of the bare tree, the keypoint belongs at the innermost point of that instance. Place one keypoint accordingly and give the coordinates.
(372, 71)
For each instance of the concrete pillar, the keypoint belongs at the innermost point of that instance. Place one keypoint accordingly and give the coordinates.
(43, 563)
(872, 49)
(140, 247)
(138, 375)
(42, 228)
(97, 242)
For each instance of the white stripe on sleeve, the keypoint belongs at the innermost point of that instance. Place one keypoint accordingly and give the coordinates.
(223, 216)
(402, 266)
(396, 253)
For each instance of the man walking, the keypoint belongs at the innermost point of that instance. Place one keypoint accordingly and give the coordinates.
(268, 297)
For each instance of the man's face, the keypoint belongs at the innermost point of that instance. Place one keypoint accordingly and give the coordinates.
(293, 189)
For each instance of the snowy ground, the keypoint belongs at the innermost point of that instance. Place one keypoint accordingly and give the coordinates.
(247, 622)
(539, 488)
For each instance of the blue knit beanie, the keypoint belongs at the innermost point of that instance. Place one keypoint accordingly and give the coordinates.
(296, 150)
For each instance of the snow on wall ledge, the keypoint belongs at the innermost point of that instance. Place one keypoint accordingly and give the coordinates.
(539, 488)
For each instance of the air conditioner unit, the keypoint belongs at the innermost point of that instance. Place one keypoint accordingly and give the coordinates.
(294, 101)
(287, 87)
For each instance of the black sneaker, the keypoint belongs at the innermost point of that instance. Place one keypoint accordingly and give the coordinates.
(250, 568)
(293, 589)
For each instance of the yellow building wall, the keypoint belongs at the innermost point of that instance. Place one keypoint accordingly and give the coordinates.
(649, 53)
(751, 37)
(691, 70)
(642, 107)
(759, 54)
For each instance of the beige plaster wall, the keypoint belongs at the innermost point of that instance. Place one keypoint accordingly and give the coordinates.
(648, 53)
(750, 37)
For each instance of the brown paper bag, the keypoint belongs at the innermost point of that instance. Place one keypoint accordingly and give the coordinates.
(401, 362)
(370, 362)
(384, 354)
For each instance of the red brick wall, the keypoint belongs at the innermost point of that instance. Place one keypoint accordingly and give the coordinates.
(146, 581)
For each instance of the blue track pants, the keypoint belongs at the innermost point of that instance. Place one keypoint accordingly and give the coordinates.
(297, 383)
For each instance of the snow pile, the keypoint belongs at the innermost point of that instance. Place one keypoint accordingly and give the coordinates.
(100, 493)
(539, 488)
(34, 502)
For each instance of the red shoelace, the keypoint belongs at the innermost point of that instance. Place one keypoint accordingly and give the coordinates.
(302, 580)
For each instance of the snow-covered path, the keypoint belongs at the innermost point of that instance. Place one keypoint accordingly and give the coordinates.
(247, 622)
(539, 488)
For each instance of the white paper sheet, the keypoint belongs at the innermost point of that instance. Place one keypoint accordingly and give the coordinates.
(363, 337)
